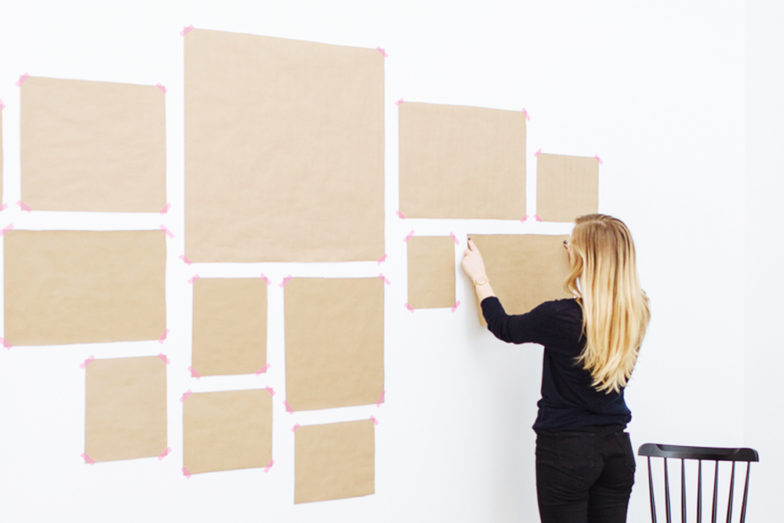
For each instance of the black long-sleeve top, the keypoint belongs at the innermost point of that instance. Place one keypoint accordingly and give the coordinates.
(569, 402)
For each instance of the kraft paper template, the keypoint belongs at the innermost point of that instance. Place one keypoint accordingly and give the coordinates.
(334, 461)
(227, 430)
(566, 187)
(229, 325)
(125, 408)
(92, 146)
(64, 287)
(284, 150)
(461, 162)
(431, 272)
(524, 270)
(334, 336)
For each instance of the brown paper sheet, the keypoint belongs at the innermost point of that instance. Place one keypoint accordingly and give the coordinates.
(461, 162)
(227, 430)
(284, 150)
(566, 187)
(524, 270)
(92, 146)
(65, 287)
(334, 461)
(431, 272)
(334, 336)
(229, 325)
(125, 405)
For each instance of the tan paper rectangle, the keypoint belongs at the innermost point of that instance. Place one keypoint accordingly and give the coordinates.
(566, 187)
(461, 162)
(227, 430)
(125, 405)
(229, 325)
(284, 150)
(334, 342)
(524, 270)
(92, 146)
(66, 287)
(334, 461)
(431, 272)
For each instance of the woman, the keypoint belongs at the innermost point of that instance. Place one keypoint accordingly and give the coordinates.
(584, 459)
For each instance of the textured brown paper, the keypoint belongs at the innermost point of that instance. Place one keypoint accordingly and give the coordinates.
(524, 270)
(334, 342)
(229, 325)
(334, 461)
(461, 162)
(284, 150)
(125, 408)
(566, 187)
(431, 272)
(66, 287)
(92, 146)
(227, 430)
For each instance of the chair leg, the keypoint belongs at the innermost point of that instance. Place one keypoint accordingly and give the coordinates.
(650, 490)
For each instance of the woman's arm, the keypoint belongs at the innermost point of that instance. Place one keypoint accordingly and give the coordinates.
(474, 267)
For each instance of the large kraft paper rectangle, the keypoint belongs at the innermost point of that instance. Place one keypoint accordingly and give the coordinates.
(229, 326)
(284, 150)
(334, 337)
(92, 146)
(431, 272)
(64, 287)
(524, 270)
(334, 461)
(227, 430)
(566, 187)
(461, 162)
(125, 405)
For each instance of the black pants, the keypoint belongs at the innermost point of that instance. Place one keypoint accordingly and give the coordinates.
(584, 476)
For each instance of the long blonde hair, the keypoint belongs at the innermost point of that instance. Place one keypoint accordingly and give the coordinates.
(604, 280)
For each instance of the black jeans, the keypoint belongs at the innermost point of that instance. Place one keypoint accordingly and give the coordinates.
(584, 476)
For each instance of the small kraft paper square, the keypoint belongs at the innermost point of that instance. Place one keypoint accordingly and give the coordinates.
(229, 326)
(125, 408)
(461, 162)
(92, 146)
(431, 272)
(334, 337)
(566, 187)
(227, 430)
(334, 461)
(524, 270)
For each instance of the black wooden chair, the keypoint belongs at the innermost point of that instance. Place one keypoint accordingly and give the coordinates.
(656, 450)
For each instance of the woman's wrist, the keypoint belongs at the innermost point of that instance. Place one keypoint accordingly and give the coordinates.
(480, 280)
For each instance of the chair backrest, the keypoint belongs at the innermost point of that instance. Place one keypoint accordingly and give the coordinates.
(657, 450)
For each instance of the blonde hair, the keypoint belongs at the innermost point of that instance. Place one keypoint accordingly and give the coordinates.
(604, 280)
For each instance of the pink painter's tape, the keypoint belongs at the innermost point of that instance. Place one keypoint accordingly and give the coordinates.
(22, 205)
(265, 368)
(400, 101)
(410, 235)
(185, 395)
(525, 113)
(385, 279)
(382, 259)
(374, 420)
(6, 229)
(194, 374)
(456, 305)
(598, 159)
(269, 465)
(186, 30)
(266, 280)
(164, 358)
(165, 208)
(457, 242)
(165, 453)
(195, 277)
(382, 51)
(22, 79)
(2, 105)
(88, 459)
(537, 218)
(538, 152)
(5, 343)
(167, 231)
(86, 362)
(270, 390)
(295, 427)
(409, 307)
(381, 398)
(163, 336)
(288, 407)
(186, 260)
(3, 207)
(400, 215)
(285, 281)
(161, 87)
(524, 218)
(186, 473)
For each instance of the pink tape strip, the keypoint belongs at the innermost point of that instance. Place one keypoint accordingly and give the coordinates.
(538, 152)
(7, 229)
(524, 218)
(86, 362)
(195, 277)
(194, 374)
(400, 101)
(164, 358)
(598, 159)
(266, 280)
(456, 305)
(265, 368)
(537, 218)
(410, 235)
(185, 395)
(164, 335)
(295, 427)
(288, 407)
(186, 260)
(269, 465)
(165, 208)
(2, 105)
(385, 279)
(525, 113)
(5, 343)
(165, 453)
(400, 215)
(374, 420)
(381, 398)
(457, 242)
(24, 206)
(382, 51)
(186, 30)
(22, 79)
(161, 87)
(382, 259)
(270, 390)
(3, 207)
(285, 281)
(167, 231)
(409, 307)
(186, 473)
(88, 459)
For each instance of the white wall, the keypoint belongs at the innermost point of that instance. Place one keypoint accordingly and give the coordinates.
(658, 90)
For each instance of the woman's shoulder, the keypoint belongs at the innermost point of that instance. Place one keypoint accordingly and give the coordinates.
(567, 309)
